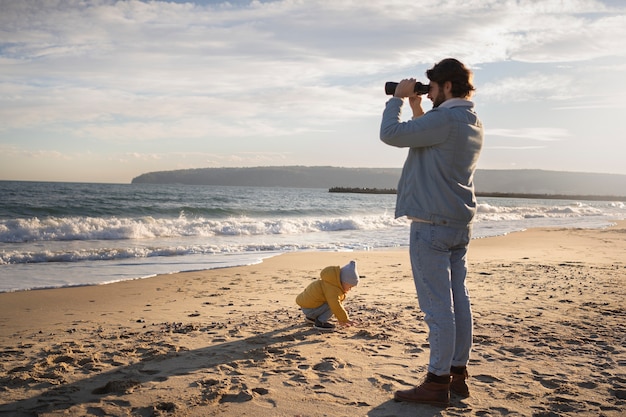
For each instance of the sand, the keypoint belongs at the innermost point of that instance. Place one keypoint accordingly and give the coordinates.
(550, 338)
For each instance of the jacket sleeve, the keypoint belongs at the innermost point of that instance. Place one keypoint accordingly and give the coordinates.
(430, 129)
(334, 297)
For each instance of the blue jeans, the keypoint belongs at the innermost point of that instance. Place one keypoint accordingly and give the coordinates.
(321, 313)
(439, 263)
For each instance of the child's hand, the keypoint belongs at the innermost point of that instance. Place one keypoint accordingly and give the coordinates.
(349, 323)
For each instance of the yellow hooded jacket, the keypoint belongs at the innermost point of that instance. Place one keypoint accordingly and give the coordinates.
(327, 289)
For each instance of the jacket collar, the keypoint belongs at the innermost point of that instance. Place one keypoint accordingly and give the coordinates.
(456, 102)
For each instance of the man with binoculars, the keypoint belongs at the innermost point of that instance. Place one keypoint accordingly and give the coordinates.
(436, 192)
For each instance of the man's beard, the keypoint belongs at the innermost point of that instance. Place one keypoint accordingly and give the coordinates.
(441, 97)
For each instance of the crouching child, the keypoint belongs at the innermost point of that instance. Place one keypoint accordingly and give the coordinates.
(324, 297)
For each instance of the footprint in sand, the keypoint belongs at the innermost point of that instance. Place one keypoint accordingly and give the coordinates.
(329, 364)
(488, 379)
(123, 386)
(228, 391)
(387, 387)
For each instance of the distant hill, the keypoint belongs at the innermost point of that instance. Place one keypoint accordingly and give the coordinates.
(487, 181)
(534, 181)
(286, 176)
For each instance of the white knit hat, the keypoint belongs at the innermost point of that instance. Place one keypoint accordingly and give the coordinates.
(349, 274)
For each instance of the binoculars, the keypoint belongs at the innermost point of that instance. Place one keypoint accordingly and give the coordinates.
(390, 88)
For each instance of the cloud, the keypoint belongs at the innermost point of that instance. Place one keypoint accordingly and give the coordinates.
(534, 86)
(207, 74)
(182, 160)
(515, 148)
(558, 38)
(276, 43)
(12, 152)
(544, 134)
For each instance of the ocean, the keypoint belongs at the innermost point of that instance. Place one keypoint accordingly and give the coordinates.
(68, 234)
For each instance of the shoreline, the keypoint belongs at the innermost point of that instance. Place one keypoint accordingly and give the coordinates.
(117, 272)
(496, 194)
(231, 341)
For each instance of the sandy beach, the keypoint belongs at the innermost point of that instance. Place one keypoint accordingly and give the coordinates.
(550, 338)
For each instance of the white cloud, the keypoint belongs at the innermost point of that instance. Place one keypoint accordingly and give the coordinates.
(122, 74)
(12, 152)
(532, 86)
(545, 134)
(515, 148)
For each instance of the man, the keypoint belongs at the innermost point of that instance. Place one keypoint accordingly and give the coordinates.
(436, 192)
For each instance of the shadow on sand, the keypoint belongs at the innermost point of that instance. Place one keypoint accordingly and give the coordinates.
(211, 367)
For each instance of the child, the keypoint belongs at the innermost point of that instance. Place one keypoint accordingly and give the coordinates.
(324, 297)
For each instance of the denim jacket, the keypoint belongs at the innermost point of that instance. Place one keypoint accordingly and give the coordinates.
(436, 184)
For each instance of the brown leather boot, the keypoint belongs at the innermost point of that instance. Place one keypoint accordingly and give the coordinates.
(458, 385)
(428, 392)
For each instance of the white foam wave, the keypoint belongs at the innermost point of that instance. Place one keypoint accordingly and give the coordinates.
(113, 228)
(488, 212)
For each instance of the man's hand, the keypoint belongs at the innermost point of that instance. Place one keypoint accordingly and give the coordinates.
(416, 105)
(405, 88)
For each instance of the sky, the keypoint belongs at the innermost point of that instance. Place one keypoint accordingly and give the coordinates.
(103, 90)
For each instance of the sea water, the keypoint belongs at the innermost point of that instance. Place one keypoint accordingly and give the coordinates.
(67, 234)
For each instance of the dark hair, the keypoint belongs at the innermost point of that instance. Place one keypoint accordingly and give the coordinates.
(454, 71)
